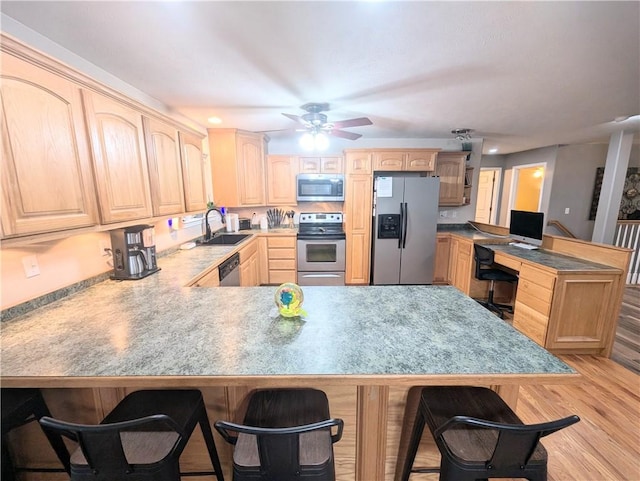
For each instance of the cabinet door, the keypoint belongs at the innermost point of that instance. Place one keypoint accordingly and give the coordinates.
(357, 207)
(47, 182)
(165, 171)
(117, 142)
(324, 165)
(451, 170)
(421, 160)
(250, 170)
(441, 269)
(391, 160)
(193, 172)
(281, 179)
(358, 162)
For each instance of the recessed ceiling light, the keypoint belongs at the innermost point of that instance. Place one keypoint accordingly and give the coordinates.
(214, 120)
(493, 151)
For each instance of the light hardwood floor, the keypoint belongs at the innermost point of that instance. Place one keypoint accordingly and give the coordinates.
(626, 349)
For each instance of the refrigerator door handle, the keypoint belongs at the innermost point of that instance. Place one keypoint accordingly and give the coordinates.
(404, 228)
(401, 234)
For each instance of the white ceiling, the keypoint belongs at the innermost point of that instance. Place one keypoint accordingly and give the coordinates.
(522, 75)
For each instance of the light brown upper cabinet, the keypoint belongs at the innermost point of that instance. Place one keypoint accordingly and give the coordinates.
(281, 179)
(321, 165)
(165, 171)
(415, 160)
(47, 182)
(193, 172)
(358, 162)
(237, 167)
(451, 170)
(117, 143)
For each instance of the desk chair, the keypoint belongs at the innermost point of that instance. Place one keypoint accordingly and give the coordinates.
(141, 439)
(486, 271)
(479, 436)
(286, 436)
(19, 407)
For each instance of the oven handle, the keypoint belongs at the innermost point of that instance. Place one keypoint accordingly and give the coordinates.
(321, 237)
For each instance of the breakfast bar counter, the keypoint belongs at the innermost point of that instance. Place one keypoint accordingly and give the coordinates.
(366, 347)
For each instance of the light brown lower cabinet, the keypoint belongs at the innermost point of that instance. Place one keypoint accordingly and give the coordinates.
(249, 266)
(441, 267)
(281, 255)
(210, 279)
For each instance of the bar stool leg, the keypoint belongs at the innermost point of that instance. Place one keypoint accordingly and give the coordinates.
(414, 443)
(39, 410)
(207, 434)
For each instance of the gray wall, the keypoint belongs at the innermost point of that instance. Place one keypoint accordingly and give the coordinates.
(573, 184)
(569, 182)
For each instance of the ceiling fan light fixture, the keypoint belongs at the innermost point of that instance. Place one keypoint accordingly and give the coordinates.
(464, 136)
(307, 142)
(321, 141)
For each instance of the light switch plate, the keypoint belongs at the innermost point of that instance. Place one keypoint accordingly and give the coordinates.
(31, 267)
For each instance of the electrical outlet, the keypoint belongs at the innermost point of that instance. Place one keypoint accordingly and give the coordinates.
(105, 248)
(454, 214)
(567, 210)
(443, 213)
(31, 267)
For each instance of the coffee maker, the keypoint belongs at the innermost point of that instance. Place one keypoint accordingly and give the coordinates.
(134, 252)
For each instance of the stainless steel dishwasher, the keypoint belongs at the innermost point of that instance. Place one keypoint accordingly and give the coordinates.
(229, 271)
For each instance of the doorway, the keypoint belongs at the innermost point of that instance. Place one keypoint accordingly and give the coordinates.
(526, 187)
(487, 199)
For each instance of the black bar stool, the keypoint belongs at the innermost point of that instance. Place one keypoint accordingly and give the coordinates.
(286, 436)
(486, 270)
(479, 436)
(141, 439)
(19, 407)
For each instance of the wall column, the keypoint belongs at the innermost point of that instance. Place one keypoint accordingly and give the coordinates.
(615, 171)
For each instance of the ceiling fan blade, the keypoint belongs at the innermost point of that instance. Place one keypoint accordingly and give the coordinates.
(296, 118)
(341, 124)
(344, 134)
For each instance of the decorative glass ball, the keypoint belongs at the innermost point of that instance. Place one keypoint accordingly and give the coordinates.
(289, 299)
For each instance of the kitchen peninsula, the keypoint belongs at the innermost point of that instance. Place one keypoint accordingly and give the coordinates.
(364, 346)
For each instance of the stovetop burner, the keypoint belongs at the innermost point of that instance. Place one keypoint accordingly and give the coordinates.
(325, 225)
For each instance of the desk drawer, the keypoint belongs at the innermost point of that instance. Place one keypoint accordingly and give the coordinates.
(531, 323)
(507, 261)
(538, 276)
(534, 296)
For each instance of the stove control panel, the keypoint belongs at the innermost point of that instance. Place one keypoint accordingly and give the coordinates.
(321, 218)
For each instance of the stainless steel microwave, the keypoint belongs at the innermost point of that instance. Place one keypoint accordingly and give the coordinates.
(320, 187)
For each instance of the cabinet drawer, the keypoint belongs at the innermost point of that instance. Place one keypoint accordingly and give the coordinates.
(282, 264)
(280, 277)
(278, 242)
(537, 276)
(289, 253)
(507, 261)
(531, 323)
(248, 251)
(534, 296)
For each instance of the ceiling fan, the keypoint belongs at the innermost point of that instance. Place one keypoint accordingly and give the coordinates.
(315, 122)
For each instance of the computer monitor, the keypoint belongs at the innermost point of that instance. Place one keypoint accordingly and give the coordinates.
(527, 226)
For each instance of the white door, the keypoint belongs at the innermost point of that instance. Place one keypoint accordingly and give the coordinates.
(487, 199)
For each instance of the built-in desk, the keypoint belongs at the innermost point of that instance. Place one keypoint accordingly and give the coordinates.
(569, 291)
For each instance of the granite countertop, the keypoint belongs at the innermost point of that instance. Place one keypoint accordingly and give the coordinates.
(542, 257)
(157, 327)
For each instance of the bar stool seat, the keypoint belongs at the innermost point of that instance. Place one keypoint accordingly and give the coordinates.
(19, 407)
(479, 436)
(285, 436)
(142, 438)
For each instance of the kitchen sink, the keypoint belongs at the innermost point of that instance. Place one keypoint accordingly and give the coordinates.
(224, 239)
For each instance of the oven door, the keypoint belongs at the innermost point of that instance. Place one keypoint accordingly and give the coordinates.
(321, 255)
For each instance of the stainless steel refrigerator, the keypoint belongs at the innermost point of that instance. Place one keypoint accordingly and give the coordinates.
(404, 229)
